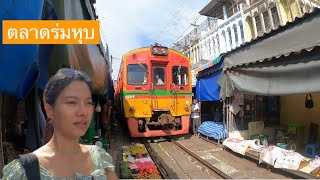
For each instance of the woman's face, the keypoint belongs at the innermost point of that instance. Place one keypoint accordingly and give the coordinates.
(73, 110)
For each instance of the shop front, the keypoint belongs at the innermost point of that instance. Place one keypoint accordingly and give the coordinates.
(267, 85)
(207, 93)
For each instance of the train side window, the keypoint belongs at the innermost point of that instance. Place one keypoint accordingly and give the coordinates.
(137, 74)
(180, 75)
(159, 76)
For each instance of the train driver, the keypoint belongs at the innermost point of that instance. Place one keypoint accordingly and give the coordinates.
(159, 81)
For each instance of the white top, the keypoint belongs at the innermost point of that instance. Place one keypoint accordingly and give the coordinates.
(160, 82)
(195, 110)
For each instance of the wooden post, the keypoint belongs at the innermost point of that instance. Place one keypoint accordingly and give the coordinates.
(1, 145)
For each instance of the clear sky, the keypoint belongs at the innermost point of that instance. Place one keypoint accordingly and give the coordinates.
(131, 24)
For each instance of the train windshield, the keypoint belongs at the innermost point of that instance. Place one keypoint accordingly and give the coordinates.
(180, 75)
(137, 74)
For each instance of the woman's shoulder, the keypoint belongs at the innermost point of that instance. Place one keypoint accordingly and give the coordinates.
(14, 170)
(101, 158)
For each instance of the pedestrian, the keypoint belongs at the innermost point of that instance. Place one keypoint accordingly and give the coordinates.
(69, 106)
(195, 116)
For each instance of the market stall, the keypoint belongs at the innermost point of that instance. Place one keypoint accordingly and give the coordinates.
(276, 157)
(136, 163)
(207, 93)
(284, 65)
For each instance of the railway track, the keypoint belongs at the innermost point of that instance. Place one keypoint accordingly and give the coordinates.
(182, 161)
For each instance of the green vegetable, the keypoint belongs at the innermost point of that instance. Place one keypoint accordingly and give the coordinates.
(125, 172)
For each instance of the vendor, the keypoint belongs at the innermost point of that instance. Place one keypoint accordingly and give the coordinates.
(195, 117)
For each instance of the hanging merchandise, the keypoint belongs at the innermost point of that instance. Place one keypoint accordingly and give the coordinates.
(309, 101)
(98, 107)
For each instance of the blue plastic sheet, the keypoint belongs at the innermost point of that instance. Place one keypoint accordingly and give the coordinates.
(45, 50)
(212, 129)
(207, 87)
(19, 63)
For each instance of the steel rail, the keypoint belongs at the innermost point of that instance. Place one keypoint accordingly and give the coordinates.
(158, 163)
(211, 167)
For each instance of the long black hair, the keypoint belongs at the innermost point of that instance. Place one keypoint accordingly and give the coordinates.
(56, 84)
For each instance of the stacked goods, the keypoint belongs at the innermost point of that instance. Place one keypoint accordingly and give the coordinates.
(137, 160)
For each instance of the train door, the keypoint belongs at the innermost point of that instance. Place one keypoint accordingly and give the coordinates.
(159, 89)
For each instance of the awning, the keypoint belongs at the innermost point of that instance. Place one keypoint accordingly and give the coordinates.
(285, 61)
(88, 58)
(207, 87)
(19, 68)
(300, 74)
(303, 33)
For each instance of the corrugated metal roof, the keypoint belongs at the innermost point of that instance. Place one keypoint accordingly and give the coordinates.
(302, 33)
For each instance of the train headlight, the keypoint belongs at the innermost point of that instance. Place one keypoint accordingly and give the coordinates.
(159, 50)
(132, 109)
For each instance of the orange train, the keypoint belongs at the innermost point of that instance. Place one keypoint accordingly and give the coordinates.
(153, 92)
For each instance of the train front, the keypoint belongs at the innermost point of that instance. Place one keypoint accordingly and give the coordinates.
(157, 92)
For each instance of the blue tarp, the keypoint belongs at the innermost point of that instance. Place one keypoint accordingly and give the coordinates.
(19, 68)
(215, 130)
(207, 87)
(45, 50)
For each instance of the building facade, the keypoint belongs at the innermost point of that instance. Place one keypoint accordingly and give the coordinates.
(222, 31)
(262, 16)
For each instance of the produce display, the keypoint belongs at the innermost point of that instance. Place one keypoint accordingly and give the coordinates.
(136, 150)
(125, 171)
(137, 163)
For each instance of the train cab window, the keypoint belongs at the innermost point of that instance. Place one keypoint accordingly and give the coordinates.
(137, 74)
(180, 75)
(159, 76)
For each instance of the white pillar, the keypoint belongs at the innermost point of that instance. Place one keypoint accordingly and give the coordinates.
(199, 52)
(203, 50)
(194, 55)
(225, 16)
(233, 38)
(255, 35)
(218, 44)
(223, 45)
(262, 22)
(279, 13)
(227, 41)
(271, 18)
(299, 8)
(214, 45)
(240, 41)
(197, 48)
(211, 46)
